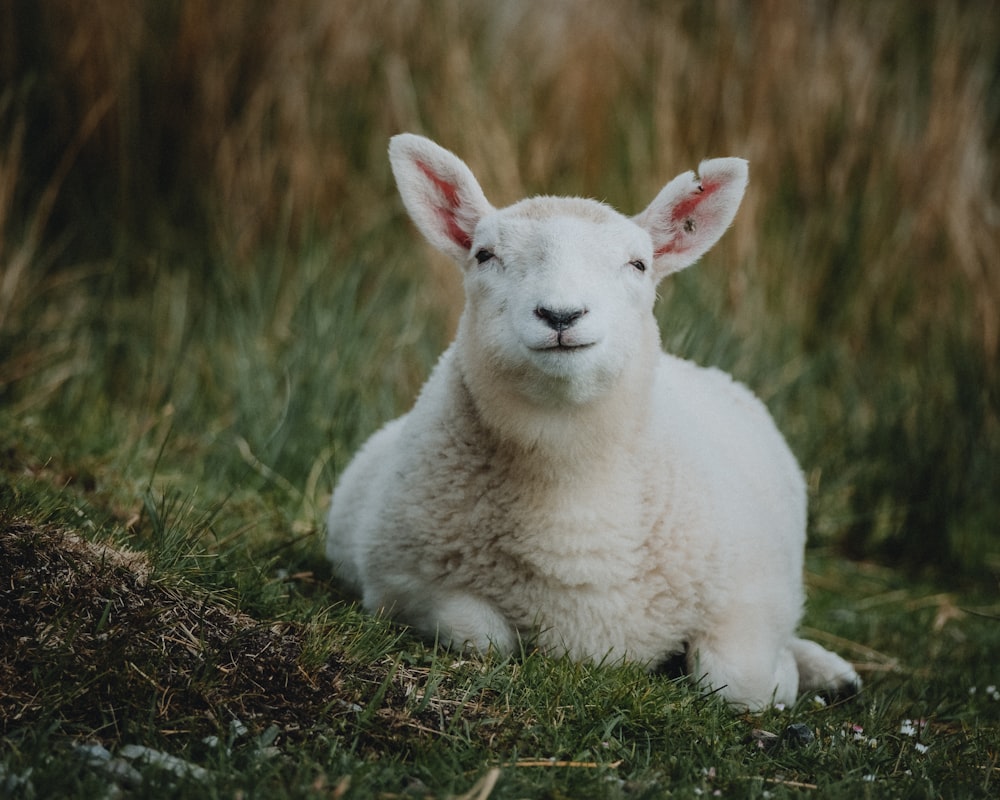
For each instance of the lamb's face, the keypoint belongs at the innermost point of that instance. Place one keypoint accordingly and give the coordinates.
(559, 297)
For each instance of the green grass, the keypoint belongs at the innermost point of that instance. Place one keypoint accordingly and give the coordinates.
(210, 296)
(401, 717)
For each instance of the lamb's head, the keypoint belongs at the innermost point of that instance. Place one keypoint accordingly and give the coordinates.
(560, 291)
(558, 299)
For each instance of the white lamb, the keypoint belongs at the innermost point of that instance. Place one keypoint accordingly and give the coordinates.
(561, 480)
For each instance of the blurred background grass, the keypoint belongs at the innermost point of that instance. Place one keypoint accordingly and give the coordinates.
(206, 276)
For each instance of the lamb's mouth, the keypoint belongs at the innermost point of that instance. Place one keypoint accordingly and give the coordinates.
(564, 347)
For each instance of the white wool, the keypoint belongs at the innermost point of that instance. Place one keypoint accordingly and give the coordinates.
(562, 481)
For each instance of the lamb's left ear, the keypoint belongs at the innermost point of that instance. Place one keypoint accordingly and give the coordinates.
(692, 211)
(439, 191)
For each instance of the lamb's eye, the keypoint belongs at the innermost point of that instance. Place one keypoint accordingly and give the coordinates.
(483, 255)
(639, 264)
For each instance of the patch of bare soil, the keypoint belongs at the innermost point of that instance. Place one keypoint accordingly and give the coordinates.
(90, 641)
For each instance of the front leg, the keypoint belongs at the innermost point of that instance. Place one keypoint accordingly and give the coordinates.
(823, 671)
(458, 620)
(749, 668)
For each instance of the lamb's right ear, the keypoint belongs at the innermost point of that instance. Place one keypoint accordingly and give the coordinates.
(440, 193)
(692, 211)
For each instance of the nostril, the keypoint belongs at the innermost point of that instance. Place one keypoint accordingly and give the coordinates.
(559, 319)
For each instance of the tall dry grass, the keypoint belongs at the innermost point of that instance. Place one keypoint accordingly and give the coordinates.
(876, 123)
(870, 233)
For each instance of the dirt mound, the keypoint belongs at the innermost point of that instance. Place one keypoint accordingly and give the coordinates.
(90, 640)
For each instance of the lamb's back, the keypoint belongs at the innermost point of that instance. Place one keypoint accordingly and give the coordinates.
(734, 479)
(718, 423)
(355, 502)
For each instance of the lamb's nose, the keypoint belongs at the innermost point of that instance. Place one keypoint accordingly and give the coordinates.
(559, 319)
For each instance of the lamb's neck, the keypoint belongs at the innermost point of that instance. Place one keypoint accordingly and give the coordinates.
(567, 441)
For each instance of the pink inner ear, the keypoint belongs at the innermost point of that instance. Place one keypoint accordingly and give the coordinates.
(686, 209)
(446, 211)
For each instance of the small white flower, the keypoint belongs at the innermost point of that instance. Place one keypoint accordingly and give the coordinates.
(819, 701)
(920, 748)
(907, 728)
(868, 778)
